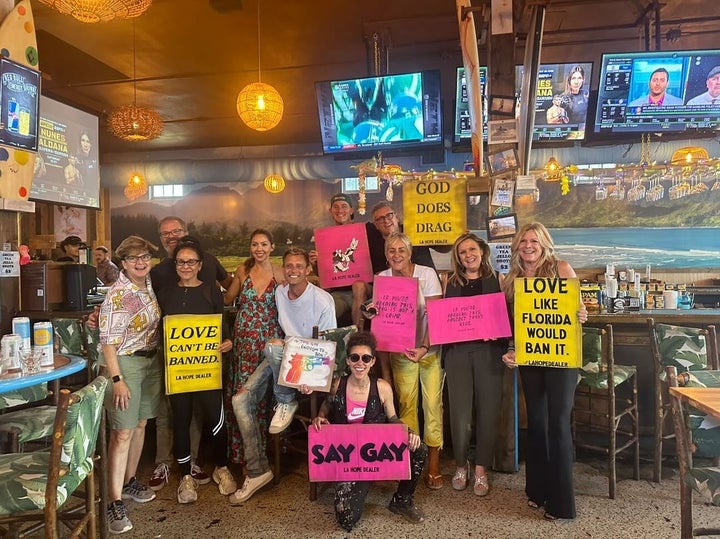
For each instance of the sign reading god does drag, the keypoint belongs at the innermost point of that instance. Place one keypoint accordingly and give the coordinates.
(435, 210)
(359, 452)
(547, 331)
(192, 360)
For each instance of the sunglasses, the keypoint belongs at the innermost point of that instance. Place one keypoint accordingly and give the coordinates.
(366, 358)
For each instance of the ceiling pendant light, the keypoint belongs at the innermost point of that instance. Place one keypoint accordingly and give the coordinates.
(91, 11)
(274, 183)
(133, 123)
(136, 187)
(260, 105)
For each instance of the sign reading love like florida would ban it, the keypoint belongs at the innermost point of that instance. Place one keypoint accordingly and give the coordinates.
(435, 210)
(359, 452)
(192, 359)
(547, 330)
(343, 255)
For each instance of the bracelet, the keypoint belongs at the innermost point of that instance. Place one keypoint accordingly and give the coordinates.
(426, 347)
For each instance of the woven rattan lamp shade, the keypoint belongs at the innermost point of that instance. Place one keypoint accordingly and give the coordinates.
(260, 106)
(274, 183)
(92, 11)
(135, 124)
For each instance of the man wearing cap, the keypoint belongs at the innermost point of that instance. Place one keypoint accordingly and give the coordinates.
(347, 298)
(71, 249)
(106, 269)
(712, 96)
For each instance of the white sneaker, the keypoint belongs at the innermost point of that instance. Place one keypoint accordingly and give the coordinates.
(225, 480)
(283, 417)
(187, 491)
(250, 487)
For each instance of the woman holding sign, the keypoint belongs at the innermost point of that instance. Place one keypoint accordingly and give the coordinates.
(474, 369)
(418, 369)
(192, 296)
(549, 392)
(360, 398)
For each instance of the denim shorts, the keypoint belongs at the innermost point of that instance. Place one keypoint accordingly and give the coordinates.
(143, 376)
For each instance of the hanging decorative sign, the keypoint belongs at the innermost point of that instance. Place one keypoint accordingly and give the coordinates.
(435, 209)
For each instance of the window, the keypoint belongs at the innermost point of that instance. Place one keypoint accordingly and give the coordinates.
(352, 185)
(167, 191)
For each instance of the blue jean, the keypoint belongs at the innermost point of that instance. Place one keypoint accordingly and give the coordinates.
(245, 407)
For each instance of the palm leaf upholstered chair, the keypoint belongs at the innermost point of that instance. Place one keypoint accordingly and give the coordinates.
(310, 404)
(696, 434)
(686, 349)
(606, 402)
(38, 488)
(31, 421)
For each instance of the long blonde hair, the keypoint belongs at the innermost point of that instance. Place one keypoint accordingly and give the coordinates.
(459, 277)
(547, 266)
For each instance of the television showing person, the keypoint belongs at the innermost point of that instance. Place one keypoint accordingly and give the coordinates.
(557, 114)
(657, 91)
(712, 96)
(577, 96)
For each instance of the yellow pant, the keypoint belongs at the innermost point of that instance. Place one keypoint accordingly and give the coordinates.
(406, 375)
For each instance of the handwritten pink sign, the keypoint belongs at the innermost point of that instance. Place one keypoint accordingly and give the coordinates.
(395, 325)
(343, 255)
(468, 318)
(359, 452)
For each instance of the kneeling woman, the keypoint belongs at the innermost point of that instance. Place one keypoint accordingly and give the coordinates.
(360, 398)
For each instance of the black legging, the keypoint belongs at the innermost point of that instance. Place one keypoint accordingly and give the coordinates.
(210, 404)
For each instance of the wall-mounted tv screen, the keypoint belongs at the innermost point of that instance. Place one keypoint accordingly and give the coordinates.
(19, 94)
(561, 103)
(380, 113)
(66, 168)
(663, 91)
(462, 131)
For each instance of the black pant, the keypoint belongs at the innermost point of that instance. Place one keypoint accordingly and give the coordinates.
(213, 420)
(549, 395)
(350, 495)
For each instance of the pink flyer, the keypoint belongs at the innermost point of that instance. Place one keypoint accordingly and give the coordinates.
(343, 255)
(395, 325)
(468, 319)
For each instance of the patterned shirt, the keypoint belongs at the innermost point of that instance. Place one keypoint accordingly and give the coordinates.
(129, 317)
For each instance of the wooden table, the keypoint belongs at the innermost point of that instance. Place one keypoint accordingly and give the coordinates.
(706, 399)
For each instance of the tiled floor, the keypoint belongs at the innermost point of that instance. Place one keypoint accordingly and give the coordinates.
(641, 509)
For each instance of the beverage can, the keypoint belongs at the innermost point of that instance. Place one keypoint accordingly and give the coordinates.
(21, 326)
(10, 347)
(43, 336)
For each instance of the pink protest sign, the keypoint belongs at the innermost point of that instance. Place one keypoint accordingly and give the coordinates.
(395, 325)
(343, 255)
(359, 452)
(468, 319)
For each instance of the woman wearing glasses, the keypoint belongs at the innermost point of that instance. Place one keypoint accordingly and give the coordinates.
(360, 398)
(256, 323)
(192, 296)
(128, 323)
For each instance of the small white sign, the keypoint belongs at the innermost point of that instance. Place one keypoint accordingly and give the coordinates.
(9, 264)
(500, 256)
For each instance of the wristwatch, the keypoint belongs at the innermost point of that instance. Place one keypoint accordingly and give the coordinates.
(115, 379)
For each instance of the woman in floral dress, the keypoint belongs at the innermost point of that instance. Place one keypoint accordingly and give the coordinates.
(256, 323)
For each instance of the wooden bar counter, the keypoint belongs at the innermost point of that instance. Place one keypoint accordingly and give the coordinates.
(632, 346)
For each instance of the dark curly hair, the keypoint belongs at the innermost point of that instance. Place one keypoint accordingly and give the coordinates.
(362, 338)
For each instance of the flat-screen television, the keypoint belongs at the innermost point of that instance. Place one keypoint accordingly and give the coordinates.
(19, 95)
(463, 131)
(66, 167)
(561, 103)
(656, 92)
(380, 113)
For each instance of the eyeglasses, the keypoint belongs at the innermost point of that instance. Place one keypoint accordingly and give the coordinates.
(366, 358)
(170, 233)
(387, 217)
(192, 262)
(133, 259)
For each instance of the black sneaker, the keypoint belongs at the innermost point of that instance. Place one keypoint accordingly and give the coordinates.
(117, 517)
(409, 511)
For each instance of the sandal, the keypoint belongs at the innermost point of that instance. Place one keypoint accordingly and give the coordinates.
(434, 482)
(548, 516)
(482, 486)
(460, 479)
(533, 505)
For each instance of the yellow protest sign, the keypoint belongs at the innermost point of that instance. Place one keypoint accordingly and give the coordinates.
(547, 331)
(192, 360)
(434, 210)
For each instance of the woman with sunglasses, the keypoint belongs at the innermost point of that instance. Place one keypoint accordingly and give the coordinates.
(474, 369)
(361, 398)
(192, 296)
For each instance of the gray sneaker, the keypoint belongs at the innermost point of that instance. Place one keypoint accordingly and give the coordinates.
(409, 511)
(135, 490)
(117, 517)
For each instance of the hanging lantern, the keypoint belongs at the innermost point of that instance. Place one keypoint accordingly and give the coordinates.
(136, 187)
(274, 183)
(260, 106)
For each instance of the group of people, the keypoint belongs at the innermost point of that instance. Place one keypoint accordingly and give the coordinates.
(274, 302)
